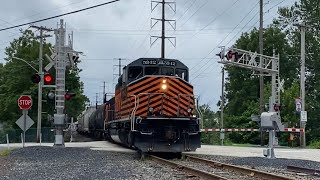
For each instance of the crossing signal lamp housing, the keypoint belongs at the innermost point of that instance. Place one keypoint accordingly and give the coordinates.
(35, 78)
(277, 108)
(50, 95)
(68, 95)
(229, 55)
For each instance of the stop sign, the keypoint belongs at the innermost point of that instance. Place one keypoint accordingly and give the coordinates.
(25, 102)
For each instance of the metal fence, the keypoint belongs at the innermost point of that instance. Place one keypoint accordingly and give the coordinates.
(47, 135)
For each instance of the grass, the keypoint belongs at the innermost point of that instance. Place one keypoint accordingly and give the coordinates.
(314, 145)
(5, 152)
(243, 145)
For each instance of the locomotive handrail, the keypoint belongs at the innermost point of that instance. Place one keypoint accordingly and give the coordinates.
(133, 113)
(199, 112)
(188, 95)
(136, 104)
(149, 96)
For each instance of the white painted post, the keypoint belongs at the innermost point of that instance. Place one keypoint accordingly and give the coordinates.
(8, 141)
(40, 138)
(22, 140)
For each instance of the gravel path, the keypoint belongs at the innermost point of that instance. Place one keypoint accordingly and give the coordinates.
(81, 163)
(278, 165)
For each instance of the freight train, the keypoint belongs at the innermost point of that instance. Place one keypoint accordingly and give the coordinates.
(153, 109)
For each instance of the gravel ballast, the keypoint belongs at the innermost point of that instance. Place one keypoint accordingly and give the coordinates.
(80, 163)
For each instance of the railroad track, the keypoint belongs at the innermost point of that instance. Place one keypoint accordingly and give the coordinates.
(312, 172)
(230, 169)
(196, 172)
(239, 169)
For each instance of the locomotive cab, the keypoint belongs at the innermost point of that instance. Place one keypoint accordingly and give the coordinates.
(149, 66)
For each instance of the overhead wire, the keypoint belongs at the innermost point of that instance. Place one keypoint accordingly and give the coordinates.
(46, 11)
(213, 50)
(53, 17)
(231, 31)
(238, 33)
(136, 24)
(15, 34)
(210, 22)
(225, 38)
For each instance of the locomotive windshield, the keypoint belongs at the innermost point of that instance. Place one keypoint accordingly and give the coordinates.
(135, 72)
(151, 71)
(167, 71)
(182, 73)
(151, 66)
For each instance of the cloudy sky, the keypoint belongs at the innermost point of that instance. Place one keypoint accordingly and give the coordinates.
(122, 30)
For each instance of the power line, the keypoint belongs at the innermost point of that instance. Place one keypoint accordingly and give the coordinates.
(226, 37)
(48, 10)
(72, 12)
(214, 19)
(276, 5)
(232, 30)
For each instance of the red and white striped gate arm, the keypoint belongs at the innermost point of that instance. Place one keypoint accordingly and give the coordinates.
(247, 130)
(293, 130)
(229, 130)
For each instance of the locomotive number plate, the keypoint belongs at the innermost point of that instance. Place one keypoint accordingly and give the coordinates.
(160, 62)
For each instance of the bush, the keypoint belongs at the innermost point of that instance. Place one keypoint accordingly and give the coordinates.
(315, 145)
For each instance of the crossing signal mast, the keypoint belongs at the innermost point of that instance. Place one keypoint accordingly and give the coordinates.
(270, 120)
(172, 23)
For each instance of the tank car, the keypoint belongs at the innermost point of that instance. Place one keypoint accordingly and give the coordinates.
(154, 107)
(97, 122)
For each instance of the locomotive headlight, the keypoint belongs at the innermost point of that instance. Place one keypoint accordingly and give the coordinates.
(164, 85)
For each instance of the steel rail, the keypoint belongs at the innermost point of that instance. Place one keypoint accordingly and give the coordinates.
(244, 170)
(313, 172)
(196, 172)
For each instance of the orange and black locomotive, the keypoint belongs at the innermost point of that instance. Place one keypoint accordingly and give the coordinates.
(154, 108)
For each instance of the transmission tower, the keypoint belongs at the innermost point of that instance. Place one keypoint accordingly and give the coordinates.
(117, 66)
(172, 23)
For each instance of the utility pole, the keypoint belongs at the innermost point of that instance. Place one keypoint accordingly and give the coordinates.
(104, 92)
(163, 20)
(119, 67)
(96, 100)
(41, 74)
(302, 82)
(222, 108)
(261, 81)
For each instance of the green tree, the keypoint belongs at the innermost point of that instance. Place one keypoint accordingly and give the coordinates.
(15, 80)
(307, 11)
(210, 120)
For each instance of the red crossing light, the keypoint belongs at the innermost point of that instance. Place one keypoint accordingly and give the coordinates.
(68, 95)
(48, 78)
(229, 55)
